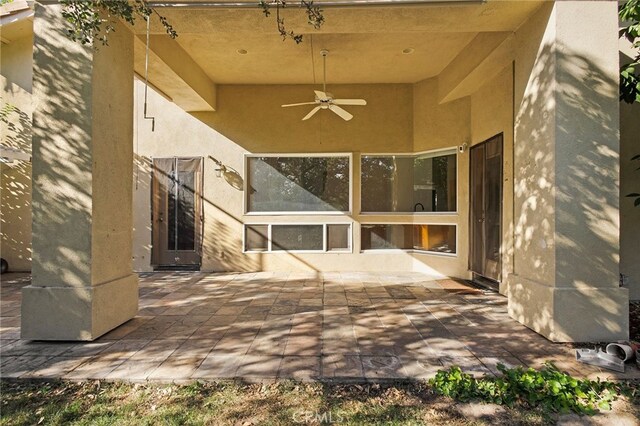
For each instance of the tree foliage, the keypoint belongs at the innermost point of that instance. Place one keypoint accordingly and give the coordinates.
(92, 21)
(314, 17)
(629, 13)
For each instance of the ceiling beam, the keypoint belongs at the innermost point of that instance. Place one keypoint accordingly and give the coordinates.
(485, 56)
(176, 74)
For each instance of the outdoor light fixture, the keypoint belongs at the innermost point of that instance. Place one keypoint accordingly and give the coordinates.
(221, 168)
(408, 51)
(231, 176)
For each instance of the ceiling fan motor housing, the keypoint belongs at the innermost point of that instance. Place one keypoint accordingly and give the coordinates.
(325, 100)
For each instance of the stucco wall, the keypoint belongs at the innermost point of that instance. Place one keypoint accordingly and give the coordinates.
(437, 126)
(491, 114)
(16, 215)
(250, 120)
(534, 228)
(566, 175)
(15, 63)
(566, 129)
(82, 283)
(112, 154)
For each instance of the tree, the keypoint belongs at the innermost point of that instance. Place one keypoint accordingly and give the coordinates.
(314, 17)
(629, 13)
(91, 21)
(86, 18)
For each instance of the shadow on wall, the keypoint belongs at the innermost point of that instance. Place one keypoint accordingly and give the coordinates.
(142, 169)
(62, 162)
(220, 247)
(221, 244)
(16, 125)
(560, 173)
(15, 214)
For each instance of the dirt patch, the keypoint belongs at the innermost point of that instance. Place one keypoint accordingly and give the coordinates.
(235, 403)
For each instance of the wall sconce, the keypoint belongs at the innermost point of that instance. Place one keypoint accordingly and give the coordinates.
(231, 176)
(221, 168)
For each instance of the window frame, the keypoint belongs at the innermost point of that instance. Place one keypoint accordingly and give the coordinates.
(418, 251)
(245, 201)
(431, 153)
(325, 248)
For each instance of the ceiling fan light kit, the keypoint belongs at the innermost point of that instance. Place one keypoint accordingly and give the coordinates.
(325, 100)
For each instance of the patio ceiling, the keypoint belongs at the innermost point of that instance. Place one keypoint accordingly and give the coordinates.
(366, 44)
(353, 58)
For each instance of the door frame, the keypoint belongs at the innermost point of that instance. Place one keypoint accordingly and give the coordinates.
(476, 276)
(198, 217)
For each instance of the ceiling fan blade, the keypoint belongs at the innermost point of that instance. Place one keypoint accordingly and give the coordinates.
(302, 103)
(341, 112)
(313, 111)
(321, 95)
(349, 102)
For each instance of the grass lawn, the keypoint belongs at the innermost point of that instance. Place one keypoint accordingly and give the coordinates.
(234, 403)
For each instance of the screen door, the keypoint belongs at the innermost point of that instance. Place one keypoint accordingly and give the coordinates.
(177, 211)
(486, 208)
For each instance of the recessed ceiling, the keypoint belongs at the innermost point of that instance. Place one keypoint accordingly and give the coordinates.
(366, 43)
(353, 58)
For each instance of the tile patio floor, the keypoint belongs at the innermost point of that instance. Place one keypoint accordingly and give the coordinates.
(268, 326)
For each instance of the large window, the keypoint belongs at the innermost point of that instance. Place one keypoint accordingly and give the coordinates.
(409, 183)
(277, 237)
(310, 183)
(432, 238)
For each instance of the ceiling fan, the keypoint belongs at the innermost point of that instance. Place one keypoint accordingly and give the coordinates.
(325, 100)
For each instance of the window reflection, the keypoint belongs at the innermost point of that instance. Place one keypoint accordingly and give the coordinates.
(298, 184)
(296, 237)
(181, 208)
(409, 183)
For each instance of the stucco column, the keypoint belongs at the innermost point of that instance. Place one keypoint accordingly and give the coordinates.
(83, 284)
(566, 175)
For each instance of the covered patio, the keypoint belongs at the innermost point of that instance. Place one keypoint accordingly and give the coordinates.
(391, 190)
(270, 326)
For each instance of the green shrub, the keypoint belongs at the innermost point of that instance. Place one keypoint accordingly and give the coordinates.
(548, 388)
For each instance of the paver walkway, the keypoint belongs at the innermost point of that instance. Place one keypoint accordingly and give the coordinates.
(269, 326)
